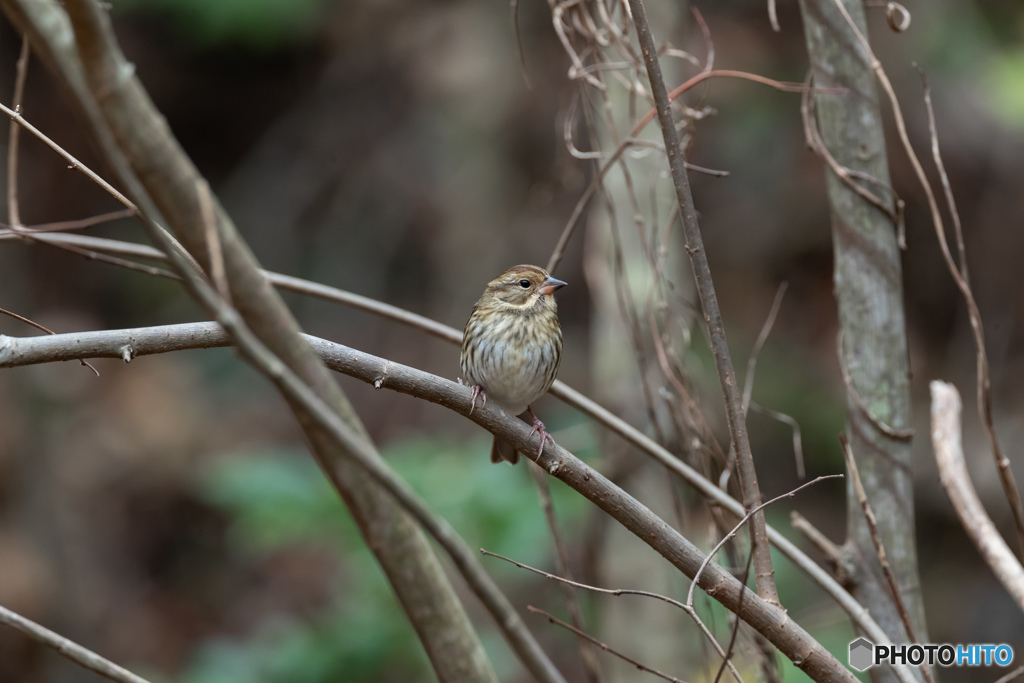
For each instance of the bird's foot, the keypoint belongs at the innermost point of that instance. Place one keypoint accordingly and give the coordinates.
(538, 428)
(478, 391)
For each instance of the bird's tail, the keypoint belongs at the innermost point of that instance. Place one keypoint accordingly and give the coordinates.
(503, 450)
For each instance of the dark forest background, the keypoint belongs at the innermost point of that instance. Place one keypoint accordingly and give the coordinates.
(166, 514)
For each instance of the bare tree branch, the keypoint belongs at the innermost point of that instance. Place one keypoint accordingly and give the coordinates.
(13, 137)
(42, 328)
(768, 619)
(746, 518)
(688, 608)
(883, 560)
(591, 639)
(1013, 675)
(135, 140)
(857, 613)
(70, 649)
(590, 663)
(763, 571)
(840, 559)
(949, 456)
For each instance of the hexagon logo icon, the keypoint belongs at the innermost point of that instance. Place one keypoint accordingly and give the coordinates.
(862, 654)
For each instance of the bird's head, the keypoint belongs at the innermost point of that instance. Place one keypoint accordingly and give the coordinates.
(523, 287)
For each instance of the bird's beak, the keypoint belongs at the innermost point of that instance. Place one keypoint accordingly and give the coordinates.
(550, 285)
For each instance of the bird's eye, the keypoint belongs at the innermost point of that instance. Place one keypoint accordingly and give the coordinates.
(525, 284)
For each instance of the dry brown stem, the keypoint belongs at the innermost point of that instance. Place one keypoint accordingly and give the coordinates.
(591, 639)
(540, 478)
(949, 456)
(14, 137)
(688, 608)
(70, 649)
(876, 538)
(763, 570)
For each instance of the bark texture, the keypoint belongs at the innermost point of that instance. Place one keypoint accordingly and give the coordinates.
(872, 327)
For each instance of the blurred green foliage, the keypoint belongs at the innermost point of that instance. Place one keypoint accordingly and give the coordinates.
(1005, 81)
(278, 500)
(252, 23)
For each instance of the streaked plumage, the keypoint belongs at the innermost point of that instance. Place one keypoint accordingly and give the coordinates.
(512, 345)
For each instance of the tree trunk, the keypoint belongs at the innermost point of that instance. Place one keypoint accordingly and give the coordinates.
(872, 327)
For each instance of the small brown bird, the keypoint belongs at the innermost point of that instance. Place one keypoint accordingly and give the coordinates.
(512, 346)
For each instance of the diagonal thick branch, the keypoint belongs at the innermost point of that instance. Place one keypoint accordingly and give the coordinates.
(645, 444)
(766, 618)
(631, 434)
(160, 178)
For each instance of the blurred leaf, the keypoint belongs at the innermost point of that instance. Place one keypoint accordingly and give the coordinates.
(491, 506)
(275, 497)
(359, 644)
(1005, 81)
(278, 498)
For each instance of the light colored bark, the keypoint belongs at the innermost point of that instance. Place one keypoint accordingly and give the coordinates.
(869, 293)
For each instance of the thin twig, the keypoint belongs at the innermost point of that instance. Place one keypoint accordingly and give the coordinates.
(783, 86)
(755, 353)
(14, 131)
(25, 320)
(540, 478)
(840, 559)
(120, 262)
(577, 584)
(794, 426)
(606, 648)
(60, 226)
(947, 189)
(746, 518)
(47, 330)
(215, 254)
(748, 384)
(689, 609)
(68, 648)
(74, 163)
(1011, 676)
(876, 539)
(763, 571)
